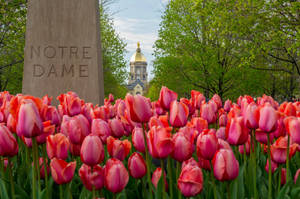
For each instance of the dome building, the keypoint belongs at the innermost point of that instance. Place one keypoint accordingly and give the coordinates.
(138, 78)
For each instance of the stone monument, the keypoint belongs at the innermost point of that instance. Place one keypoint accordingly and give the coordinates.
(63, 49)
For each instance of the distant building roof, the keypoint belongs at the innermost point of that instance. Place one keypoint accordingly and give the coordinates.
(136, 82)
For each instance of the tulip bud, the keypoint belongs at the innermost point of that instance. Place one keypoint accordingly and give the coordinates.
(225, 165)
(236, 132)
(92, 179)
(101, 129)
(190, 181)
(267, 118)
(251, 116)
(183, 147)
(115, 175)
(296, 176)
(57, 146)
(8, 143)
(138, 139)
(166, 96)
(179, 113)
(207, 145)
(140, 108)
(137, 166)
(227, 105)
(117, 148)
(92, 151)
(61, 171)
(116, 126)
(208, 113)
(292, 125)
(156, 177)
(159, 141)
(29, 123)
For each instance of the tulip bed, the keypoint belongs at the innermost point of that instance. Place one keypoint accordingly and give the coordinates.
(135, 148)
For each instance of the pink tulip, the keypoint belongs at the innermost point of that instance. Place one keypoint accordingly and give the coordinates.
(296, 176)
(279, 150)
(227, 105)
(208, 113)
(88, 111)
(166, 96)
(292, 125)
(61, 171)
(204, 164)
(47, 130)
(262, 136)
(116, 126)
(8, 143)
(115, 175)
(236, 132)
(247, 144)
(70, 103)
(179, 113)
(199, 124)
(42, 168)
(29, 122)
(52, 114)
(156, 177)
(140, 108)
(159, 141)
(267, 118)
(251, 116)
(101, 129)
(57, 146)
(217, 99)
(11, 123)
(138, 139)
(223, 144)
(92, 179)
(183, 147)
(189, 104)
(92, 151)
(283, 176)
(75, 149)
(190, 181)
(207, 145)
(220, 133)
(223, 120)
(117, 148)
(225, 165)
(274, 166)
(137, 166)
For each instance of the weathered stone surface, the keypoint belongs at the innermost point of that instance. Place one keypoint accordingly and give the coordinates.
(62, 49)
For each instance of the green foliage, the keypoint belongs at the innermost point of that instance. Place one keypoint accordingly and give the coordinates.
(209, 46)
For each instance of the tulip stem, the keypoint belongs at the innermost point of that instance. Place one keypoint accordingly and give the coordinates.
(213, 180)
(270, 168)
(162, 177)
(228, 189)
(11, 179)
(177, 176)
(170, 173)
(45, 170)
(61, 195)
(148, 164)
(37, 164)
(279, 179)
(33, 171)
(253, 158)
(69, 190)
(288, 160)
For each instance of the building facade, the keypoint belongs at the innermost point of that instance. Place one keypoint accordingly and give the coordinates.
(138, 79)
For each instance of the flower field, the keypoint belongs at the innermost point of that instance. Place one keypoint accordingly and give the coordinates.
(135, 148)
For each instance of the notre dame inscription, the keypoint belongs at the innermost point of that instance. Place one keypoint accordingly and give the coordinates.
(62, 49)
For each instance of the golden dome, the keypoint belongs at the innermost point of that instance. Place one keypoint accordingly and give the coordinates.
(138, 56)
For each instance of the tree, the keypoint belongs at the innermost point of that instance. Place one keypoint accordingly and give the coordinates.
(194, 51)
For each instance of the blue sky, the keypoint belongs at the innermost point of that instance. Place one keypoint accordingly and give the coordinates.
(138, 20)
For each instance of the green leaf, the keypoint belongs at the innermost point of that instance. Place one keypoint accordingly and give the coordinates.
(3, 190)
(159, 188)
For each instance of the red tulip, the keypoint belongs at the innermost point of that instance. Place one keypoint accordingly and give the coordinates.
(267, 118)
(251, 116)
(116, 126)
(48, 130)
(223, 144)
(199, 124)
(190, 181)
(156, 177)
(42, 168)
(220, 133)
(223, 120)
(101, 129)
(138, 139)
(183, 147)
(227, 105)
(262, 136)
(70, 103)
(190, 133)
(75, 149)
(159, 141)
(88, 111)
(57, 146)
(217, 99)
(225, 166)
(288, 109)
(140, 108)
(92, 151)
(208, 113)
(61, 171)
(274, 166)
(197, 98)
(51, 113)
(115, 175)
(117, 148)
(29, 122)
(8, 143)
(11, 123)
(296, 176)
(207, 145)
(92, 179)
(166, 96)
(279, 149)
(292, 125)
(189, 105)
(76, 128)
(137, 166)
(236, 132)
(283, 176)
(179, 113)
(204, 164)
